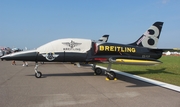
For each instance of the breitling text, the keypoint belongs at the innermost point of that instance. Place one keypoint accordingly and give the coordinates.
(117, 49)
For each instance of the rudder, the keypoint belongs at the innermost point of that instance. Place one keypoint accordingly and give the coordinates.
(104, 38)
(150, 38)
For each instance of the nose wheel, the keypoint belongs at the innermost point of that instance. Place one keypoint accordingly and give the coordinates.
(38, 74)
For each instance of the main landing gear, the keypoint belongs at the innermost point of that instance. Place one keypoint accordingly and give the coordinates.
(110, 74)
(97, 71)
(38, 74)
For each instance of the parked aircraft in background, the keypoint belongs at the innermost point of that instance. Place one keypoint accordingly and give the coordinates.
(143, 51)
(1, 53)
(104, 38)
(8, 50)
(5, 50)
(16, 50)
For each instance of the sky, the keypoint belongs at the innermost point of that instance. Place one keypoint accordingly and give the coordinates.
(32, 23)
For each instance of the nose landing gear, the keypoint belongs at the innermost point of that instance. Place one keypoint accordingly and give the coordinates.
(38, 74)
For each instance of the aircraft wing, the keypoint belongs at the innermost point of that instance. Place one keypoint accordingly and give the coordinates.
(128, 60)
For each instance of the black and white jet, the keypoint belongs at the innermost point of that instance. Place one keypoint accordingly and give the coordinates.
(143, 51)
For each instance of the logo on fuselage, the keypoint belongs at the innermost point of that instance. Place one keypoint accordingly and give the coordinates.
(50, 56)
(117, 49)
(72, 46)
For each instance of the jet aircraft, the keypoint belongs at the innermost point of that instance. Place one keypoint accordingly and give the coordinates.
(143, 51)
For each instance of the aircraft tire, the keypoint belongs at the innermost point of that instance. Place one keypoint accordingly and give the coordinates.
(38, 74)
(98, 71)
(111, 75)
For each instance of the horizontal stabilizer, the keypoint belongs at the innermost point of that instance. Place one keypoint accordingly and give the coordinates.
(165, 50)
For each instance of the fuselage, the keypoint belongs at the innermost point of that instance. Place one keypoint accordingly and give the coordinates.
(128, 51)
(85, 50)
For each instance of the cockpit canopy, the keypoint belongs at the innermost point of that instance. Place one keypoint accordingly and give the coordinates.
(66, 45)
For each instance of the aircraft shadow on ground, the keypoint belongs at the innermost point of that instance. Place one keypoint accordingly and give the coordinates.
(135, 82)
(66, 74)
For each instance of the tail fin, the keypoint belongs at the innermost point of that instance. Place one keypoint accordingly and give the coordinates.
(150, 38)
(104, 38)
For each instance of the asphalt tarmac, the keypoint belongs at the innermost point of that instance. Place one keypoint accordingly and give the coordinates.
(66, 85)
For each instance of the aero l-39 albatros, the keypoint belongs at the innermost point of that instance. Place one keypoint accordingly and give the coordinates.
(144, 51)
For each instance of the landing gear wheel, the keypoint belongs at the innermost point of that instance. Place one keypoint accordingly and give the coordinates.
(98, 71)
(111, 75)
(38, 74)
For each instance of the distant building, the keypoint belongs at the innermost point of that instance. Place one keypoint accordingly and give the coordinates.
(168, 53)
(171, 53)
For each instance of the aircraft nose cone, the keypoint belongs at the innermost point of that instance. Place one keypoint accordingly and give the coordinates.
(4, 57)
(1, 59)
(21, 56)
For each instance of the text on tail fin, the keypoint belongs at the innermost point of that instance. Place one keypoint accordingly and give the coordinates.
(150, 37)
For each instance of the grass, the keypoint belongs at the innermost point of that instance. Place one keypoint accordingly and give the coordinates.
(168, 71)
